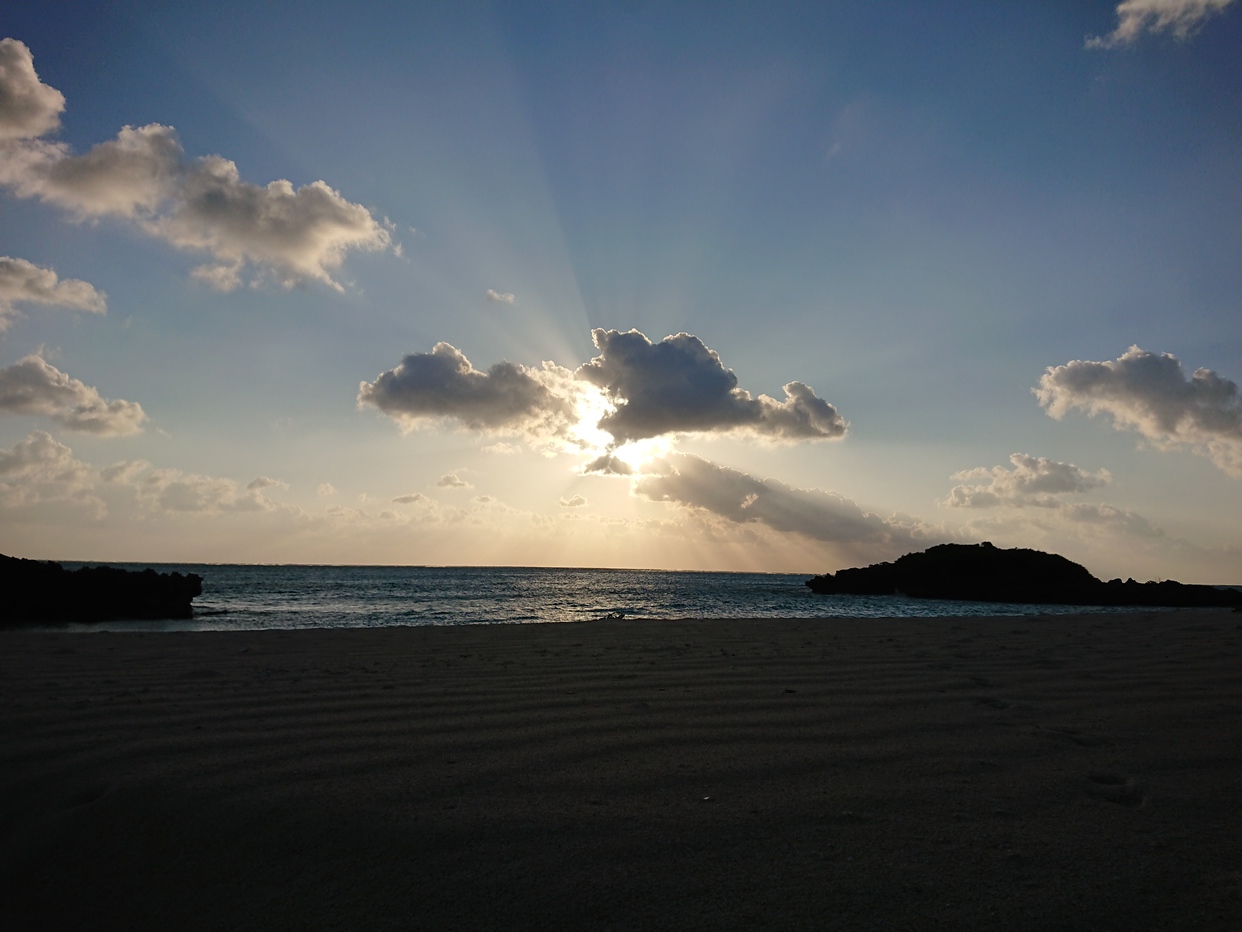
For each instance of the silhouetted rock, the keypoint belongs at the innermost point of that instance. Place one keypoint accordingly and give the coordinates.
(984, 573)
(31, 590)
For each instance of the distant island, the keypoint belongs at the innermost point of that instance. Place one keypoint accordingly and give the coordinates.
(37, 591)
(985, 573)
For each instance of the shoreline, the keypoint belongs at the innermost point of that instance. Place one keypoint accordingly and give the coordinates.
(1068, 771)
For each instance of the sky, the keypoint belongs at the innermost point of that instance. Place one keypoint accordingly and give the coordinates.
(782, 287)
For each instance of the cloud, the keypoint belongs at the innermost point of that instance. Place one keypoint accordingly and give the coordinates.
(692, 481)
(411, 499)
(40, 469)
(680, 386)
(325, 489)
(293, 235)
(608, 465)
(452, 481)
(28, 107)
(1117, 520)
(23, 282)
(576, 501)
(1180, 17)
(443, 384)
(263, 482)
(172, 490)
(290, 235)
(34, 386)
(1148, 393)
(1034, 480)
(501, 297)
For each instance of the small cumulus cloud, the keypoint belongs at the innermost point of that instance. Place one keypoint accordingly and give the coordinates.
(1182, 18)
(289, 235)
(264, 482)
(1033, 480)
(576, 501)
(325, 489)
(413, 498)
(501, 297)
(452, 481)
(680, 386)
(444, 384)
(608, 465)
(1149, 393)
(35, 387)
(23, 282)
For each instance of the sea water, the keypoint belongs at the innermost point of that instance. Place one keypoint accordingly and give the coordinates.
(240, 597)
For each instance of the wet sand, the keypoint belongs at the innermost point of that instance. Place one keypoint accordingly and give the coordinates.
(1073, 772)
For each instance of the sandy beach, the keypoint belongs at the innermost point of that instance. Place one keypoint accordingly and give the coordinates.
(1072, 772)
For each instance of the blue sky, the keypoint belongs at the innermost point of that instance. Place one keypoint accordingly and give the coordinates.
(920, 213)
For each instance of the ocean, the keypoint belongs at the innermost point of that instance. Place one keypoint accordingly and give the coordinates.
(240, 597)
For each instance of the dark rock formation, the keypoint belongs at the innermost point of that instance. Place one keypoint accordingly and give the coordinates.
(983, 573)
(31, 591)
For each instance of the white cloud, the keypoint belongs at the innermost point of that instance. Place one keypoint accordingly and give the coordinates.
(452, 481)
(1180, 17)
(23, 282)
(443, 384)
(576, 501)
(325, 489)
(1148, 393)
(28, 107)
(680, 386)
(40, 469)
(692, 481)
(501, 297)
(290, 235)
(34, 386)
(293, 235)
(1034, 480)
(172, 490)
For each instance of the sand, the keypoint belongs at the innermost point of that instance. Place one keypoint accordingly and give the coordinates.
(1028, 773)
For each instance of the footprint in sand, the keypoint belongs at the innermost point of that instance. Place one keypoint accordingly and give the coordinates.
(1115, 788)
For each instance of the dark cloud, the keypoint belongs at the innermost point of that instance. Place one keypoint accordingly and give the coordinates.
(692, 481)
(264, 482)
(1148, 393)
(34, 386)
(443, 384)
(411, 499)
(1033, 480)
(608, 465)
(680, 386)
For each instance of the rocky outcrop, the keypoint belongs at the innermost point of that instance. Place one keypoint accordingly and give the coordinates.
(984, 573)
(35, 591)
